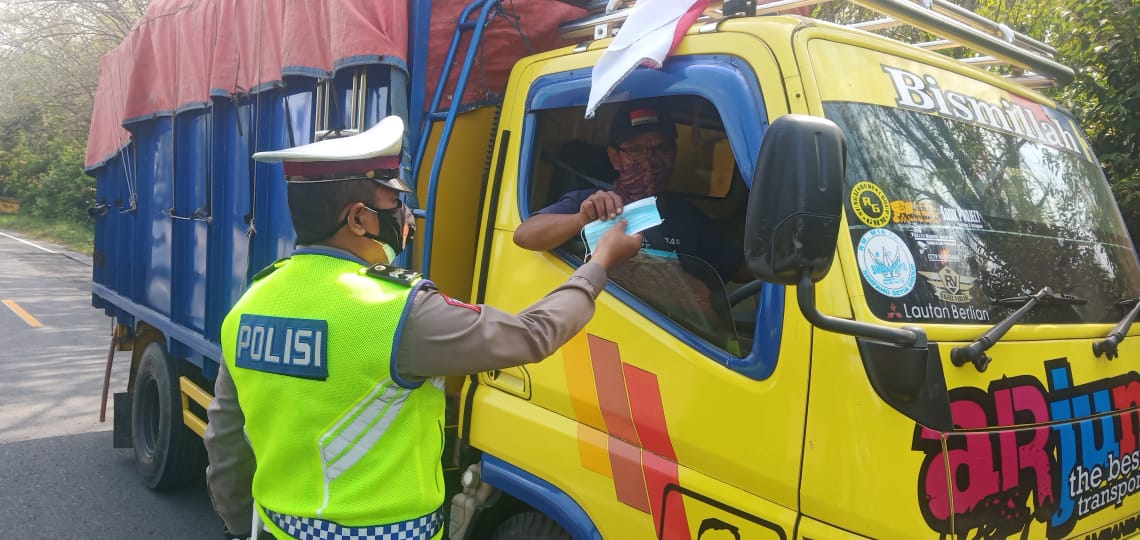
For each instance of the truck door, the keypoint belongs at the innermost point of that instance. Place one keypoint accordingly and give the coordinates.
(679, 410)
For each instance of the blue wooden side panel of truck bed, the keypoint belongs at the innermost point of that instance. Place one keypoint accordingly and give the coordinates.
(190, 217)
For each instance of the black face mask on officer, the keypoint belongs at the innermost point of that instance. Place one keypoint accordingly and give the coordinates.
(393, 222)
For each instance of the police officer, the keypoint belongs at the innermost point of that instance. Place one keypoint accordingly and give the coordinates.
(332, 381)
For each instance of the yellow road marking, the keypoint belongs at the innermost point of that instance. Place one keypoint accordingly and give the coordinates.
(28, 318)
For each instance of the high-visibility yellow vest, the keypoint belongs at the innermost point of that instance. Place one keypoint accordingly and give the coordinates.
(340, 440)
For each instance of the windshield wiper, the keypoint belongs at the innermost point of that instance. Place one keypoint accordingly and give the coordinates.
(976, 351)
(1050, 298)
(1107, 346)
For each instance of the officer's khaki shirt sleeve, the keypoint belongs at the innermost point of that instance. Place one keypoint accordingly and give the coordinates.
(450, 338)
(229, 475)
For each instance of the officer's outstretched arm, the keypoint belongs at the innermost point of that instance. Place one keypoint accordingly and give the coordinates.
(443, 336)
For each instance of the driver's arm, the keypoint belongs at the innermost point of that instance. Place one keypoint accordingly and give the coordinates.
(541, 232)
(554, 225)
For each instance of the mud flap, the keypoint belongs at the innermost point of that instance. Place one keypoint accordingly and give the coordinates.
(121, 436)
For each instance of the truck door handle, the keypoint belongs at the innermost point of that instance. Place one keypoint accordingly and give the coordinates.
(513, 380)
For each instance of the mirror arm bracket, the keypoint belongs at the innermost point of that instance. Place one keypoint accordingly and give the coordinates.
(908, 336)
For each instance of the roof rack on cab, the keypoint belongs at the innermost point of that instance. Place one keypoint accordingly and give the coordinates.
(994, 43)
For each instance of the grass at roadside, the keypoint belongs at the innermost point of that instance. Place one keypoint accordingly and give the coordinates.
(76, 236)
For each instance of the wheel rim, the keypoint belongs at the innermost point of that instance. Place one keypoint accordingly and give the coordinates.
(149, 425)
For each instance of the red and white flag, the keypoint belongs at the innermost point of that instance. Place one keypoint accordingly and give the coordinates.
(647, 37)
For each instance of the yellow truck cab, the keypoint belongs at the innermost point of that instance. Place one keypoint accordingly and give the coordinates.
(934, 343)
(909, 316)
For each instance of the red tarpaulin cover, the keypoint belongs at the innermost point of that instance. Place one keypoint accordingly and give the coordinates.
(183, 51)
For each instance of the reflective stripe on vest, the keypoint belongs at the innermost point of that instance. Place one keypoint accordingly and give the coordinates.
(343, 446)
(421, 528)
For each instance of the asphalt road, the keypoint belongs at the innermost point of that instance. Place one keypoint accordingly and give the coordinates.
(59, 475)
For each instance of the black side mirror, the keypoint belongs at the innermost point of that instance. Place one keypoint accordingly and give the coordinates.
(792, 225)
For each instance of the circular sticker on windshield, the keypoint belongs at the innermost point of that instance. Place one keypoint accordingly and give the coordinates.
(886, 263)
(870, 204)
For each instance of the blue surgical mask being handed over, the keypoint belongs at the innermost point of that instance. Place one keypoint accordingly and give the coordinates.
(638, 215)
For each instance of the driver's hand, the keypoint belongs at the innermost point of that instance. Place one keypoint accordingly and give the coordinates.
(601, 205)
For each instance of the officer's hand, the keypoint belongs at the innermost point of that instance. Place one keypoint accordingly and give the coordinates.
(600, 205)
(615, 246)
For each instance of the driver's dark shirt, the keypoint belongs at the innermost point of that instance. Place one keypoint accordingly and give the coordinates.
(686, 230)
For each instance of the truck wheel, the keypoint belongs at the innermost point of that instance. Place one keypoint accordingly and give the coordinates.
(167, 454)
(530, 526)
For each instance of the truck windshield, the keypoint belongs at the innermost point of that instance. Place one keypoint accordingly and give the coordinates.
(947, 217)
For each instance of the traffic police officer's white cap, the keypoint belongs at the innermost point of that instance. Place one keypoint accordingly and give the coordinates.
(373, 154)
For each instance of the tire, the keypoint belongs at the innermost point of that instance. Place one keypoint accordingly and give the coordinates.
(167, 454)
(530, 526)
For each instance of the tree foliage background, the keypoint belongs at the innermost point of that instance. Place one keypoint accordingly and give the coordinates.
(50, 49)
(1101, 39)
(49, 67)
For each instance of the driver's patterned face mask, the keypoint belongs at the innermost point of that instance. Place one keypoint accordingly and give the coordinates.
(645, 175)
